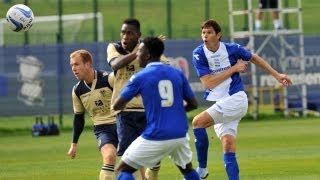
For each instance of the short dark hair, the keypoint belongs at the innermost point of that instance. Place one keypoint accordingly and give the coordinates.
(154, 45)
(134, 22)
(211, 23)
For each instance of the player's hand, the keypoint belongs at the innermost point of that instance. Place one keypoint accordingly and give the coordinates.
(284, 79)
(72, 151)
(241, 66)
(162, 37)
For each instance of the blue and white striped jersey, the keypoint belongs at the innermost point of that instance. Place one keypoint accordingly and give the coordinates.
(208, 62)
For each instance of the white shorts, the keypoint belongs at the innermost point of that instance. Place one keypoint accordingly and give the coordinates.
(147, 153)
(228, 112)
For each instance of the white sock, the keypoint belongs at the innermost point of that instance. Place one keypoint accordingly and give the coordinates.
(258, 24)
(276, 23)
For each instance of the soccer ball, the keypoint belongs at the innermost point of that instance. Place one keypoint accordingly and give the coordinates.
(19, 17)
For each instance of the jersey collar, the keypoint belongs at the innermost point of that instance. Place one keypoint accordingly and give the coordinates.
(154, 63)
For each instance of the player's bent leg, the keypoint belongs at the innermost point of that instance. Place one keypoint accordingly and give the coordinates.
(202, 145)
(199, 123)
(202, 120)
(152, 173)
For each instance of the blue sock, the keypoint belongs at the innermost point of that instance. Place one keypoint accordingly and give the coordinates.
(125, 176)
(231, 165)
(202, 145)
(192, 175)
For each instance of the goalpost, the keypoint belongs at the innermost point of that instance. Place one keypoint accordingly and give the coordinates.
(45, 29)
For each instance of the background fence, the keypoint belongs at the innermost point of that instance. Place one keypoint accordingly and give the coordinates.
(57, 79)
(177, 19)
(49, 90)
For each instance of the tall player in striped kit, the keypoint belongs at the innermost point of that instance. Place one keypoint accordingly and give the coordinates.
(218, 65)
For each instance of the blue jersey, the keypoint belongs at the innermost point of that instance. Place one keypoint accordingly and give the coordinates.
(208, 62)
(163, 89)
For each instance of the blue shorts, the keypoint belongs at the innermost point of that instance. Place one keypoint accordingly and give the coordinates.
(106, 134)
(130, 125)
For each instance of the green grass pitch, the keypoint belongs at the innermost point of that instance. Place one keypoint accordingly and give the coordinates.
(267, 149)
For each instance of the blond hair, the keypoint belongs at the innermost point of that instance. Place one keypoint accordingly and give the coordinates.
(84, 54)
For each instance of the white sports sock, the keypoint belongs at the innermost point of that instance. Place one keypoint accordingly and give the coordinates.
(258, 24)
(276, 23)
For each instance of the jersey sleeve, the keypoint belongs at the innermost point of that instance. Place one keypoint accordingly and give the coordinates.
(111, 52)
(78, 125)
(77, 104)
(200, 63)
(244, 53)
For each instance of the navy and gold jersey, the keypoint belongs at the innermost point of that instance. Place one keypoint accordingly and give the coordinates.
(123, 75)
(95, 101)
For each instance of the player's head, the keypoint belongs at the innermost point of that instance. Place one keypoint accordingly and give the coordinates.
(81, 63)
(150, 50)
(211, 26)
(130, 33)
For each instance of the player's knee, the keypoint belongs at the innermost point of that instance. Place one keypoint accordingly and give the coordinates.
(198, 122)
(228, 143)
(109, 154)
(109, 158)
(202, 121)
(195, 122)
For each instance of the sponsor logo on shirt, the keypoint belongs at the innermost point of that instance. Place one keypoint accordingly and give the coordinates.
(215, 71)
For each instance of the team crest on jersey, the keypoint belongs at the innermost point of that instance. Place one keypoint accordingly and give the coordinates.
(103, 92)
(99, 142)
(130, 68)
(98, 103)
(196, 56)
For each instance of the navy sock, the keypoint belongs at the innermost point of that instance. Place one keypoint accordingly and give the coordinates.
(192, 175)
(202, 145)
(231, 165)
(125, 176)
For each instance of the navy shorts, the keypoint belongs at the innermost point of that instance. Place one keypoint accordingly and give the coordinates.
(265, 4)
(106, 134)
(130, 125)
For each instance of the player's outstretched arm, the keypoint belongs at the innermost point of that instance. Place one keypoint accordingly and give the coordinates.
(282, 78)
